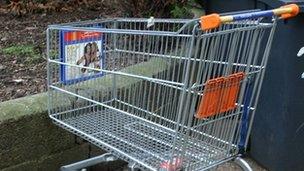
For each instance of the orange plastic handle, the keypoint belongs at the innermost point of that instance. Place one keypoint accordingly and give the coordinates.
(293, 12)
(215, 20)
(210, 21)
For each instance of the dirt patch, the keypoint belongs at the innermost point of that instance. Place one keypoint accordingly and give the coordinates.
(23, 47)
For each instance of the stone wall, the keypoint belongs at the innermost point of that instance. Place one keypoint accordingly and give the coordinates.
(30, 141)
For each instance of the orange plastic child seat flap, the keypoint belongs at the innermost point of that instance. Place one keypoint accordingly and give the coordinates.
(212, 93)
(230, 91)
(220, 95)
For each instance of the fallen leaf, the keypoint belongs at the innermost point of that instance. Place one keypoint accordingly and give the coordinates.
(18, 80)
(19, 93)
(31, 28)
(4, 39)
(2, 67)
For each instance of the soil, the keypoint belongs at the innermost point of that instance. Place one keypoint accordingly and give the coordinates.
(19, 78)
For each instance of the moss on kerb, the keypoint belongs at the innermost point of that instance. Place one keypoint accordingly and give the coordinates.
(29, 105)
(36, 104)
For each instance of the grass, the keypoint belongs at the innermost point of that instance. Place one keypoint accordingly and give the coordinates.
(26, 53)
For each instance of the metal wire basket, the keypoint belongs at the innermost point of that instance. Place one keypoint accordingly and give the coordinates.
(165, 94)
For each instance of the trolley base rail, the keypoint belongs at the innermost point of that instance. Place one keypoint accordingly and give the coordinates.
(144, 141)
(107, 157)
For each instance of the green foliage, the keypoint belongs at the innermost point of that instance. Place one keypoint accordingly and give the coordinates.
(200, 2)
(53, 54)
(24, 52)
(40, 1)
(26, 1)
(147, 8)
(180, 12)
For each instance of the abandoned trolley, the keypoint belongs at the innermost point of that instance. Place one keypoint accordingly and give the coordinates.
(161, 94)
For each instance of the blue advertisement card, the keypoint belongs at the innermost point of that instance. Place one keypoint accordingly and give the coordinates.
(84, 49)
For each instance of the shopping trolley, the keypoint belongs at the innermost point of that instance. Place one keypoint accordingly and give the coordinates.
(161, 94)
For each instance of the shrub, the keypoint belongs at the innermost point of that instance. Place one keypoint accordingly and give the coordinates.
(147, 8)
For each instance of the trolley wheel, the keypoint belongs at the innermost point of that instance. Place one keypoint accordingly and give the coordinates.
(133, 167)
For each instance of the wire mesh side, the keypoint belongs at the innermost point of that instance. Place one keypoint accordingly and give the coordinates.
(230, 49)
(143, 102)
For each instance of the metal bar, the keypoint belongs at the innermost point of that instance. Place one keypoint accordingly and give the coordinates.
(120, 31)
(184, 58)
(251, 26)
(119, 73)
(107, 157)
(239, 12)
(259, 14)
(48, 70)
(258, 84)
(243, 164)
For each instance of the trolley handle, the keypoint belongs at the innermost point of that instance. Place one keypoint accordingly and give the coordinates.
(215, 20)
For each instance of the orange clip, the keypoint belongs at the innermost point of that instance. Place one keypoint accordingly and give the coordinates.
(295, 11)
(210, 21)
